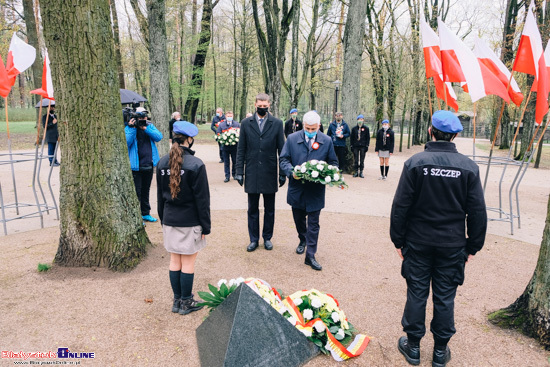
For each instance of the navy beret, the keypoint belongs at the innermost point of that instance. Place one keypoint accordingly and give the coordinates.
(385, 122)
(185, 128)
(360, 117)
(293, 110)
(447, 122)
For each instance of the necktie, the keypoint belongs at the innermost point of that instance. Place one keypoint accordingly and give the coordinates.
(261, 124)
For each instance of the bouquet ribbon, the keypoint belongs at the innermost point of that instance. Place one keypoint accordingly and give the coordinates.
(337, 350)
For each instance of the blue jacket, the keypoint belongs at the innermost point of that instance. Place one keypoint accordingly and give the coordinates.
(215, 122)
(308, 196)
(338, 142)
(131, 142)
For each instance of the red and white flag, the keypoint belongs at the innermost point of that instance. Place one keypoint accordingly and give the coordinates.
(459, 64)
(430, 46)
(445, 92)
(21, 56)
(488, 57)
(530, 60)
(47, 86)
(5, 83)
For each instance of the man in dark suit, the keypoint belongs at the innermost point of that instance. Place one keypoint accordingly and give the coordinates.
(307, 198)
(214, 127)
(229, 151)
(260, 143)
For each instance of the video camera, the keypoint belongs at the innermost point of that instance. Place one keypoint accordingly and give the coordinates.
(129, 113)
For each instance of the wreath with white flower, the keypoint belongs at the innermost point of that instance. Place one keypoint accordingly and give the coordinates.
(320, 172)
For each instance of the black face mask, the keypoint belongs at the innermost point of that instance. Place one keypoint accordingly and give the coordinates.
(192, 142)
(261, 111)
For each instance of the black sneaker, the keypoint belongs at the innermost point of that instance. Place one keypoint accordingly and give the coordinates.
(410, 352)
(441, 357)
(176, 305)
(188, 305)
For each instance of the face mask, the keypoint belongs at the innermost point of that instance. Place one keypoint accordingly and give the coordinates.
(310, 135)
(230, 119)
(360, 122)
(261, 111)
(218, 114)
(192, 142)
(293, 116)
(338, 119)
(385, 127)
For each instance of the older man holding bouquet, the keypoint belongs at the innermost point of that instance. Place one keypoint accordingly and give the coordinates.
(306, 197)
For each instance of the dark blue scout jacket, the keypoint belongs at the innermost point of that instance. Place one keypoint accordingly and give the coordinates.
(390, 140)
(360, 139)
(331, 132)
(308, 196)
(438, 196)
(192, 205)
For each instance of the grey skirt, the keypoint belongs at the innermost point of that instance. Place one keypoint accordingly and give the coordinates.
(183, 240)
(383, 154)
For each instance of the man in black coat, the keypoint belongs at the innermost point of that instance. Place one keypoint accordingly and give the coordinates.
(260, 143)
(52, 134)
(438, 223)
(307, 198)
(359, 141)
(293, 124)
(214, 127)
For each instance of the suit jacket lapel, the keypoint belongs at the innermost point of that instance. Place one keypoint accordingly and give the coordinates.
(254, 124)
(267, 124)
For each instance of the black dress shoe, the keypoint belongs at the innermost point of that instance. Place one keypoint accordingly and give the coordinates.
(410, 352)
(301, 248)
(268, 245)
(221, 161)
(226, 179)
(313, 263)
(441, 357)
(253, 246)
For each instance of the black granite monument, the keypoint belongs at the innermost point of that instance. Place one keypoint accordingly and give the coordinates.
(245, 331)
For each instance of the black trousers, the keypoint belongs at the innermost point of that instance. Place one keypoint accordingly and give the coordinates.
(444, 268)
(359, 157)
(227, 162)
(220, 150)
(254, 216)
(142, 182)
(341, 153)
(307, 232)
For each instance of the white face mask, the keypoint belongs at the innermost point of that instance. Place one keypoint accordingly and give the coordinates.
(385, 127)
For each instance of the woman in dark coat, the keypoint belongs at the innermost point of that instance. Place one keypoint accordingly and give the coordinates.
(384, 147)
(52, 135)
(184, 211)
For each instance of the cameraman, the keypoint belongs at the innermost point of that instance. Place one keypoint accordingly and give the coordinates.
(141, 137)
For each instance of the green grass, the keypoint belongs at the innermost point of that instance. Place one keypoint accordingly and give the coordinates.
(18, 114)
(44, 267)
(19, 127)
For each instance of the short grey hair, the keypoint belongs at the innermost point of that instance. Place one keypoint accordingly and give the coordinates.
(312, 118)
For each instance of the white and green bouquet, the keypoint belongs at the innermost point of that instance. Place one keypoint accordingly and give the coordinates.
(320, 172)
(229, 137)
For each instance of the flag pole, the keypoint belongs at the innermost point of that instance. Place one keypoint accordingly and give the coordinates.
(521, 119)
(11, 156)
(474, 146)
(496, 133)
(38, 122)
(7, 122)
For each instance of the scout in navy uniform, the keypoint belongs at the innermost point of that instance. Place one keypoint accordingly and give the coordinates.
(439, 200)
(260, 143)
(229, 152)
(307, 198)
(184, 211)
(293, 124)
(339, 131)
(359, 141)
(384, 146)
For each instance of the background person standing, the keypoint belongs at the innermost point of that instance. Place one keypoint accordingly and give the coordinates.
(339, 131)
(384, 146)
(438, 193)
(359, 141)
(141, 136)
(293, 124)
(260, 143)
(214, 127)
(229, 151)
(52, 134)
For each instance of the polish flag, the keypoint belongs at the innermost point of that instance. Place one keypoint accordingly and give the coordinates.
(430, 46)
(5, 83)
(488, 57)
(21, 56)
(47, 86)
(530, 60)
(445, 92)
(459, 64)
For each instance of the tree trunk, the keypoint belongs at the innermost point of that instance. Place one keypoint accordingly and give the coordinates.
(193, 94)
(194, 17)
(158, 70)
(293, 92)
(32, 38)
(142, 21)
(116, 34)
(530, 313)
(137, 74)
(101, 224)
(182, 34)
(245, 57)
